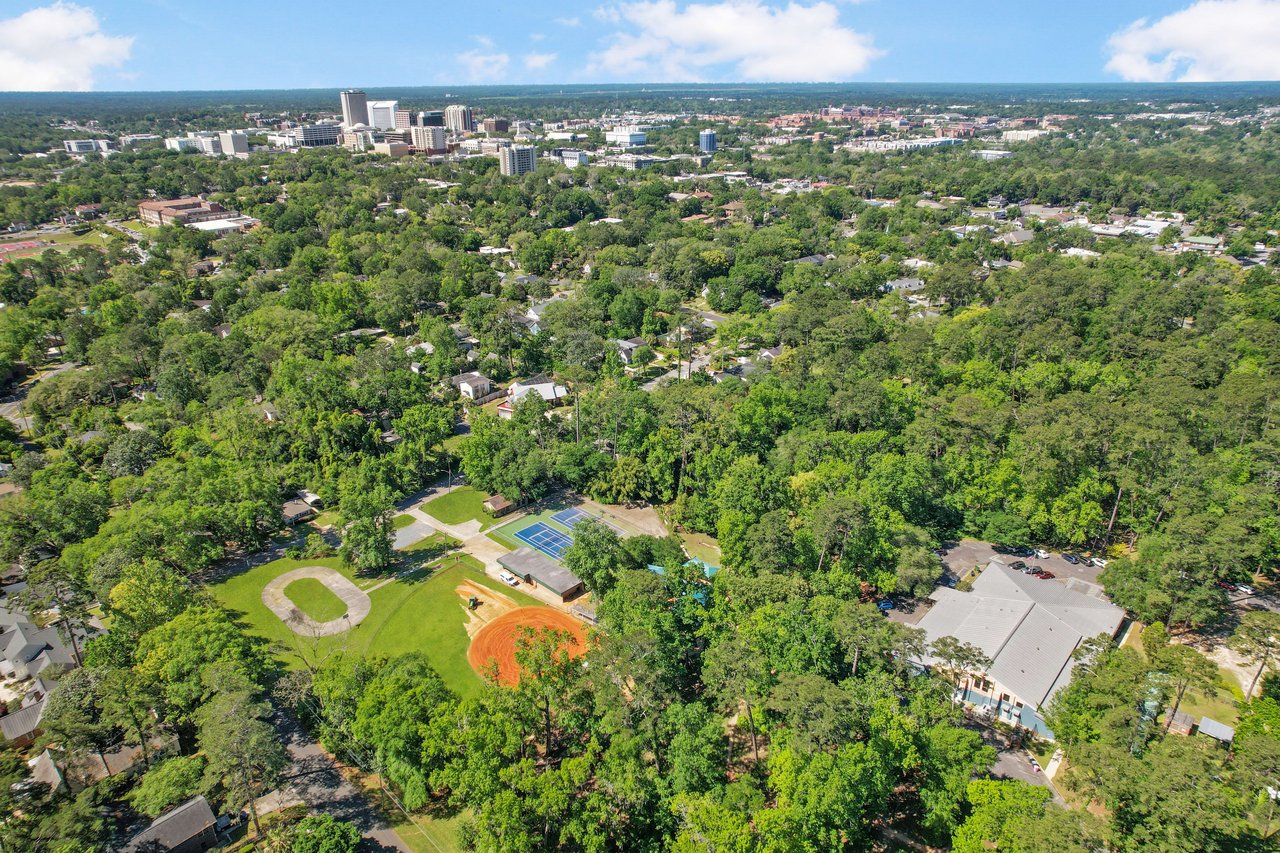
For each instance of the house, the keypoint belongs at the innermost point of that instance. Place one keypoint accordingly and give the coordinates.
(297, 511)
(1028, 628)
(22, 727)
(544, 386)
(187, 828)
(770, 354)
(539, 570)
(497, 505)
(1017, 237)
(903, 286)
(1182, 723)
(27, 651)
(627, 349)
(472, 386)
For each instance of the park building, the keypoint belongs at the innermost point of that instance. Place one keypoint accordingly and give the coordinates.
(517, 160)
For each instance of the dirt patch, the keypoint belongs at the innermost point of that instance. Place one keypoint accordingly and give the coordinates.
(492, 605)
(496, 641)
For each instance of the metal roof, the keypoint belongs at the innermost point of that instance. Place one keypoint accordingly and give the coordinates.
(1028, 627)
(527, 562)
(1216, 730)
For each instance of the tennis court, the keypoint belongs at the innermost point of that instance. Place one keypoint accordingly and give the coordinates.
(573, 516)
(545, 538)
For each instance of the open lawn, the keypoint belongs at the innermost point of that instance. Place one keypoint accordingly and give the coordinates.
(1220, 703)
(418, 611)
(702, 546)
(315, 599)
(402, 520)
(459, 506)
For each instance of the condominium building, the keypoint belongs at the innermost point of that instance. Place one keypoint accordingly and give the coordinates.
(428, 140)
(459, 119)
(496, 125)
(707, 141)
(382, 114)
(355, 107)
(573, 158)
(517, 159)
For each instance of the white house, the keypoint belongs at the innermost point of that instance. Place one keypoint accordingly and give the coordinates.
(472, 385)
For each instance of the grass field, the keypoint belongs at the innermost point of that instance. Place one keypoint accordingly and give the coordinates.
(315, 599)
(1219, 703)
(459, 506)
(402, 520)
(418, 612)
(701, 546)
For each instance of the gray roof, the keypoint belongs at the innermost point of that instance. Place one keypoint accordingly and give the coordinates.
(1216, 730)
(1028, 627)
(22, 723)
(175, 826)
(529, 563)
(909, 284)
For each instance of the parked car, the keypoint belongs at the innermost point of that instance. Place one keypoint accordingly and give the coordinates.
(1017, 565)
(1098, 562)
(508, 578)
(1072, 559)
(1045, 575)
(1042, 554)
(1244, 589)
(1229, 587)
(941, 552)
(1023, 552)
(885, 604)
(949, 581)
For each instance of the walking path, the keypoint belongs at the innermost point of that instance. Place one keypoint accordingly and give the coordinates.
(277, 602)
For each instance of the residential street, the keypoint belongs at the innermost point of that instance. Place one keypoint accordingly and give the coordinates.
(315, 780)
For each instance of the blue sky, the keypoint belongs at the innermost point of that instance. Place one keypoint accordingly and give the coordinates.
(234, 44)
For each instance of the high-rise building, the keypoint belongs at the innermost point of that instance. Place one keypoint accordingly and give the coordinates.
(406, 119)
(517, 159)
(382, 114)
(707, 141)
(496, 125)
(458, 118)
(234, 142)
(355, 107)
(316, 135)
(431, 118)
(428, 140)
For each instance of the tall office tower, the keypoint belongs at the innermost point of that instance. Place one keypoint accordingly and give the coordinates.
(355, 107)
(234, 142)
(431, 118)
(382, 114)
(428, 140)
(517, 160)
(496, 125)
(707, 141)
(458, 118)
(406, 119)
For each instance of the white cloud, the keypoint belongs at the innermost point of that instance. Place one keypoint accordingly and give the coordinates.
(481, 66)
(57, 48)
(483, 41)
(732, 39)
(569, 22)
(536, 61)
(1209, 40)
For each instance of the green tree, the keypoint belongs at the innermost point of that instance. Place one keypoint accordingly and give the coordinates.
(170, 782)
(1257, 638)
(324, 833)
(241, 746)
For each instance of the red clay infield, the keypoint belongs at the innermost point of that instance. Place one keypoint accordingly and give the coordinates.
(497, 640)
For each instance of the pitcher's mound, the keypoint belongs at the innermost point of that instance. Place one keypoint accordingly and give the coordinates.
(496, 641)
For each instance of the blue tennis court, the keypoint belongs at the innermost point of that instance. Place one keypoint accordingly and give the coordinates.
(545, 538)
(572, 517)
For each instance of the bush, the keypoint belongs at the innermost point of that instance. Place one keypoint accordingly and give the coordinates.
(293, 552)
(323, 834)
(316, 546)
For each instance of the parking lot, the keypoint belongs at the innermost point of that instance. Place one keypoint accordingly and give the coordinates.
(962, 556)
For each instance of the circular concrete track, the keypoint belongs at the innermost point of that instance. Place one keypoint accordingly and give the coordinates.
(277, 602)
(496, 641)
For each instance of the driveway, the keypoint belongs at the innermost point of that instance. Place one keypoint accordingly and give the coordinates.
(1013, 762)
(410, 534)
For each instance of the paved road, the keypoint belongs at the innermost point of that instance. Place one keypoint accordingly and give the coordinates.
(11, 404)
(1013, 762)
(687, 368)
(316, 781)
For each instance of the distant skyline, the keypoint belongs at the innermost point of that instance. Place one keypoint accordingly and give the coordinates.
(177, 45)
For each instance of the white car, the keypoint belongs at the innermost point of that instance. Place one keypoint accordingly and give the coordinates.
(1097, 562)
(1042, 554)
(1245, 590)
(509, 579)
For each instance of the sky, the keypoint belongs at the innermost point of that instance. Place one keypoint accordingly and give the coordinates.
(54, 45)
